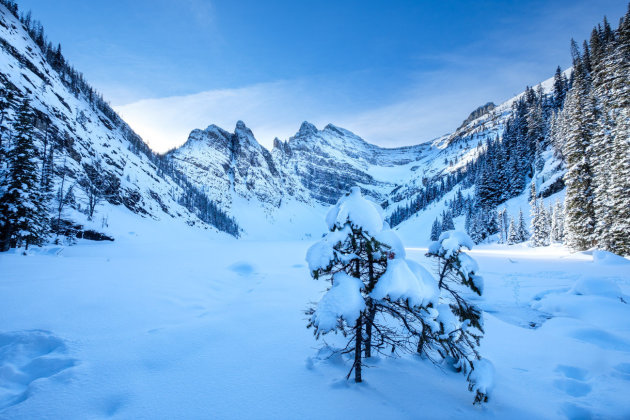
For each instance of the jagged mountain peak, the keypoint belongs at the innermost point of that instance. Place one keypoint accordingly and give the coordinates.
(219, 138)
(331, 128)
(338, 130)
(308, 135)
(213, 128)
(307, 128)
(242, 127)
(244, 134)
(213, 136)
(479, 112)
(344, 133)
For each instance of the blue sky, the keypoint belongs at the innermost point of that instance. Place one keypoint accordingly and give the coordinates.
(395, 72)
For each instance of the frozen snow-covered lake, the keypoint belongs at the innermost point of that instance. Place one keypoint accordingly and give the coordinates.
(166, 323)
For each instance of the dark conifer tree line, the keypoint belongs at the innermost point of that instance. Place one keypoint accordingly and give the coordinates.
(432, 192)
(584, 122)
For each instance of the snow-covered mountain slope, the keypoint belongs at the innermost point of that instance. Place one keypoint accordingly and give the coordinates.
(315, 167)
(268, 192)
(231, 165)
(329, 162)
(88, 142)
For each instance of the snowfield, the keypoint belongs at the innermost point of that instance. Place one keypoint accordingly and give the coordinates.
(176, 322)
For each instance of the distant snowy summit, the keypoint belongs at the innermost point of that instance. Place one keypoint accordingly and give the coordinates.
(313, 166)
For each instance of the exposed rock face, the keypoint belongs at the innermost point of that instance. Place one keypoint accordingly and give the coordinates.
(313, 166)
(232, 164)
(331, 161)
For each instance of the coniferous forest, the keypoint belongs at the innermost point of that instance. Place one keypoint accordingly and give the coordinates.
(584, 121)
(582, 125)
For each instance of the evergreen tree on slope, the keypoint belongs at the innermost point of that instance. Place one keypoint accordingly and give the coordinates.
(603, 80)
(523, 233)
(436, 230)
(557, 223)
(447, 222)
(620, 191)
(26, 221)
(513, 237)
(579, 208)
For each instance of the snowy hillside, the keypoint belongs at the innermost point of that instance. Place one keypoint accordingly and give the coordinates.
(85, 145)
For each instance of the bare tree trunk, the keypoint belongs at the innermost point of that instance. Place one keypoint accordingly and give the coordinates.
(368, 328)
(421, 341)
(370, 305)
(357, 349)
(5, 238)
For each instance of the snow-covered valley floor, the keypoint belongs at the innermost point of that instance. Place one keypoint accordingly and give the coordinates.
(166, 323)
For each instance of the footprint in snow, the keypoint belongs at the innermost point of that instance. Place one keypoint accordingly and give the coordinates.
(242, 268)
(576, 412)
(601, 339)
(573, 372)
(572, 381)
(27, 357)
(113, 404)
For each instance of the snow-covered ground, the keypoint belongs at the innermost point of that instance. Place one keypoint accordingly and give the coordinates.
(177, 322)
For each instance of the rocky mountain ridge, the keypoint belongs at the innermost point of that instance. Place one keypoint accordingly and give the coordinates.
(315, 167)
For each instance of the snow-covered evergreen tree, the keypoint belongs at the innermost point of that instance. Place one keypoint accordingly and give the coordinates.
(372, 284)
(502, 223)
(482, 223)
(6, 103)
(523, 233)
(579, 110)
(540, 221)
(23, 205)
(541, 226)
(559, 88)
(513, 237)
(447, 222)
(436, 230)
(381, 302)
(461, 322)
(557, 223)
(620, 168)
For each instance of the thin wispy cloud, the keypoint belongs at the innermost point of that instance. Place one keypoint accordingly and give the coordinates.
(398, 93)
(433, 104)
